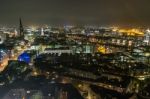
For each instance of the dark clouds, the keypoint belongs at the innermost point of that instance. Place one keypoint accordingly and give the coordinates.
(101, 12)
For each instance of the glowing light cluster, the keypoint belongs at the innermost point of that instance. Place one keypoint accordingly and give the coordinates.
(101, 49)
(131, 31)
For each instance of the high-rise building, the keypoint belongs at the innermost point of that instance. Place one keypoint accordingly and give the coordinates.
(147, 37)
(42, 31)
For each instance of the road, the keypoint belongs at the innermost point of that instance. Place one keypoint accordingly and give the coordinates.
(4, 63)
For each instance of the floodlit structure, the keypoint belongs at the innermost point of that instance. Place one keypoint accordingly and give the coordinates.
(147, 37)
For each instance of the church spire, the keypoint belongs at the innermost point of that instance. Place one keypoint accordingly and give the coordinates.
(21, 30)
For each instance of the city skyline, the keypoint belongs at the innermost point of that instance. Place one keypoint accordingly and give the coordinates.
(74, 49)
(79, 12)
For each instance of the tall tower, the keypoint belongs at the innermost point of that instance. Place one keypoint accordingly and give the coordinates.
(42, 32)
(15, 32)
(21, 30)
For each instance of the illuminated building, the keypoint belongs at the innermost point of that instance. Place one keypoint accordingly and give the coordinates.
(42, 32)
(131, 32)
(24, 57)
(57, 50)
(147, 37)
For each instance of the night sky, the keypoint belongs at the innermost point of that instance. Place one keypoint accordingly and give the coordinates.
(87, 12)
